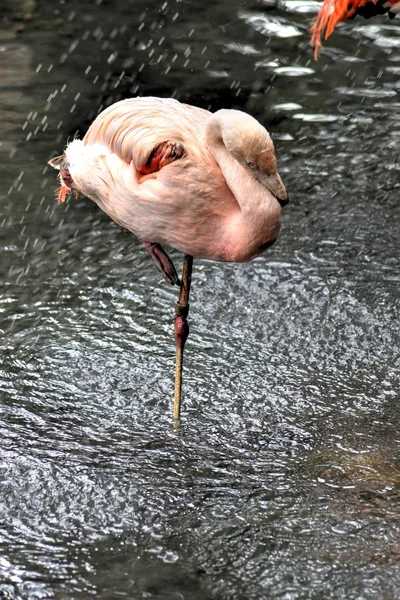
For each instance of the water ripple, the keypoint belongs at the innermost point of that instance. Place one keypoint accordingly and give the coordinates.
(284, 479)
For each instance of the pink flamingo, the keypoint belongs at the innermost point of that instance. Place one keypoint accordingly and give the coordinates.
(205, 184)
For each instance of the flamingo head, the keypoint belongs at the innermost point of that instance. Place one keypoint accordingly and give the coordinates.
(262, 165)
(250, 144)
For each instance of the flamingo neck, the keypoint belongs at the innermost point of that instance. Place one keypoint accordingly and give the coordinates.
(255, 201)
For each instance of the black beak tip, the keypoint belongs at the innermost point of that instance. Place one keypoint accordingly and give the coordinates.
(283, 201)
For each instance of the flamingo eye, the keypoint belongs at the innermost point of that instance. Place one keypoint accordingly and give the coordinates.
(250, 164)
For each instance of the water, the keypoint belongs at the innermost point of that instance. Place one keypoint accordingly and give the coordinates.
(284, 481)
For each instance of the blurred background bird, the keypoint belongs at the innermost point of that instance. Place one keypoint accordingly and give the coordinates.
(333, 12)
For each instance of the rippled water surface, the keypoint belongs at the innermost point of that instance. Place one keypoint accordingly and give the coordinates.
(284, 481)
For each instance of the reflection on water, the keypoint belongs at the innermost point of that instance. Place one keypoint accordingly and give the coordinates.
(284, 481)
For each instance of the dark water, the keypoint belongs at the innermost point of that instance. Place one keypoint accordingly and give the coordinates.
(285, 479)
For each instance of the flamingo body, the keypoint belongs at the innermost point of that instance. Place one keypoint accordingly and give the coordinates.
(214, 193)
(206, 184)
(333, 12)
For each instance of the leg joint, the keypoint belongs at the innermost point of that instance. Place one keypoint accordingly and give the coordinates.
(181, 310)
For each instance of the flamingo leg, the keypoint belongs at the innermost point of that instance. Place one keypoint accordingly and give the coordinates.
(162, 261)
(181, 331)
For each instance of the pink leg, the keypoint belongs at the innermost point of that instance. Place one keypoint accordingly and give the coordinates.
(162, 261)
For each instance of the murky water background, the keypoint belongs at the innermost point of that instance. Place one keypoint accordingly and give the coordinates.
(285, 480)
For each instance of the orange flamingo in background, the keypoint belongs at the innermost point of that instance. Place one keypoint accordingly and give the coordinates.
(333, 12)
(205, 184)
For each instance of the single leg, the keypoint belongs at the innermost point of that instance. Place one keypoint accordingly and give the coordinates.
(162, 261)
(181, 331)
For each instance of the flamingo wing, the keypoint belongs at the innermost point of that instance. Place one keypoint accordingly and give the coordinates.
(151, 132)
(138, 136)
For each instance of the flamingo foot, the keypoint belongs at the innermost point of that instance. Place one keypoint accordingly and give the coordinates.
(181, 332)
(162, 261)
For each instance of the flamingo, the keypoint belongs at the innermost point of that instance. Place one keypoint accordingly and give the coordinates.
(333, 12)
(204, 183)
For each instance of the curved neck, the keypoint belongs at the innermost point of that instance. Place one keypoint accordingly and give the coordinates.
(254, 200)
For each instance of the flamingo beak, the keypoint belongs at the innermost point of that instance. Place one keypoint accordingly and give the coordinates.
(276, 186)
